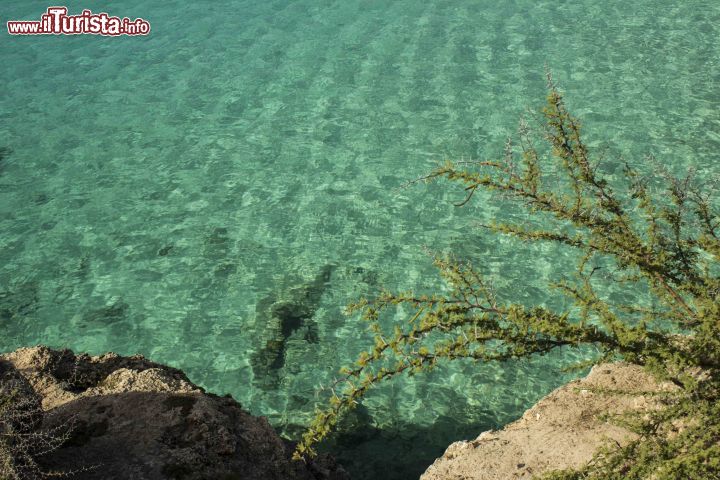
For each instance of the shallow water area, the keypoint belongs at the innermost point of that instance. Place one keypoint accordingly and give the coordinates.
(213, 194)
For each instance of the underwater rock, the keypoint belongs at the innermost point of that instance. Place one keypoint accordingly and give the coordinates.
(4, 153)
(283, 315)
(130, 418)
(19, 302)
(115, 312)
(217, 244)
(41, 199)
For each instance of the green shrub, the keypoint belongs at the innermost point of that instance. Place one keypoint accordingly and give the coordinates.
(662, 242)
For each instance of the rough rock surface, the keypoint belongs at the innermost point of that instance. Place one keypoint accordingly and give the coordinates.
(563, 430)
(130, 418)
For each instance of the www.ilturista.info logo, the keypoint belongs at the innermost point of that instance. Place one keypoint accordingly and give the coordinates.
(56, 21)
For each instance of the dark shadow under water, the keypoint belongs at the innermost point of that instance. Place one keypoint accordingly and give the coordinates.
(402, 451)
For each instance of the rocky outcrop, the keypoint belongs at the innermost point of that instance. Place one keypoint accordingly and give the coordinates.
(130, 418)
(563, 430)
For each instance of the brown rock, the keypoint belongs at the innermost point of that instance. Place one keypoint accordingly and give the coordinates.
(563, 430)
(130, 418)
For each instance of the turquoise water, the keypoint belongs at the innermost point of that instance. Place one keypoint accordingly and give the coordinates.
(174, 195)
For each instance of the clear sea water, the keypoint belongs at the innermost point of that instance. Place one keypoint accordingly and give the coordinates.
(173, 195)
